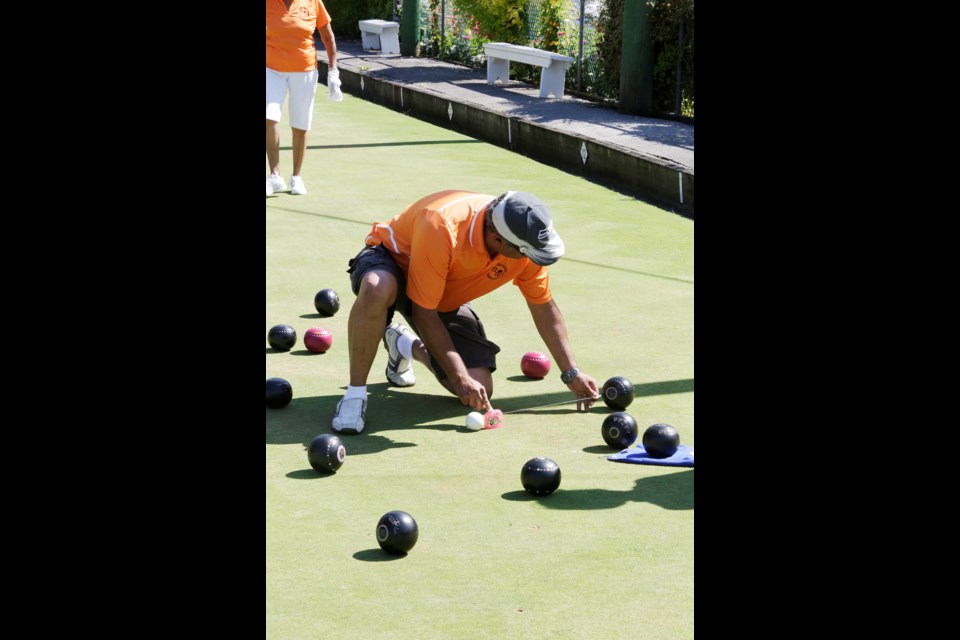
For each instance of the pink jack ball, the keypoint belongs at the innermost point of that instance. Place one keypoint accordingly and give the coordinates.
(318, 340)
(535, 364)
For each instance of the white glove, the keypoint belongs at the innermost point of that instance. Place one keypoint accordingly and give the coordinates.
(333, 85)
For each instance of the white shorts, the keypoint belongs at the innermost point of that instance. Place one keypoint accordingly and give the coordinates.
(302, 85)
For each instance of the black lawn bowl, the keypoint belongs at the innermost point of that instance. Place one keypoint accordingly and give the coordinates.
(326, 302)
(279, 393)
(540, 476)
(397, 532)
(282, 337)
(661, 440)
(619, 430)
(618, 393)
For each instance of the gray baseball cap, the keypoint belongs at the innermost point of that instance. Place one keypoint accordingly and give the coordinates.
(525, 221)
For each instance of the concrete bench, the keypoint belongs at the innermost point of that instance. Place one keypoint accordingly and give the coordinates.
(380, 34)
(500, 54)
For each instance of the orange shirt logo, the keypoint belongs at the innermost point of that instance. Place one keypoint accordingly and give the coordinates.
(497, 272)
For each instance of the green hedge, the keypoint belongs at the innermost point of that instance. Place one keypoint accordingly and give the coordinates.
(344, 15)
(609, 44)
(664, 31)
(500, 20)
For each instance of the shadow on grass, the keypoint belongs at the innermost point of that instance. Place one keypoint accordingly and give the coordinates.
(306, 418)
(671, 491)
(393, 410)
(663, 388)
(389, 412)
(307, 352)
(524, 379)
(538, 403)
(385, 144)
(308, 474)
(272, 350)
(602, 448)
(377, 555)
(314, 316)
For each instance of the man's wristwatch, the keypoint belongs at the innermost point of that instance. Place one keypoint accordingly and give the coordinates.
(567, 376)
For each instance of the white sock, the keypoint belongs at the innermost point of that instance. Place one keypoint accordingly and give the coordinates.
(356, 392)
(405, 345)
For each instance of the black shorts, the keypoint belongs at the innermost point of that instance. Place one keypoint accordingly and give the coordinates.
(463, 324)
(379, 259)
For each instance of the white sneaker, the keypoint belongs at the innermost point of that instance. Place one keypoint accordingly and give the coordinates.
(399, 369)
(275, 183)
(269, 188)
(297, 187)
(350, 415)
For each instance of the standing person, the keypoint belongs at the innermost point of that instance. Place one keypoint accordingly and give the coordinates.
(429, 262)
(292, 68)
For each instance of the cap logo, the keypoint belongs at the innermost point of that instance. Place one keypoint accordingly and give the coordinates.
(543, 235)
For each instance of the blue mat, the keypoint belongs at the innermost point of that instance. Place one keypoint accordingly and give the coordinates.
(638, 455)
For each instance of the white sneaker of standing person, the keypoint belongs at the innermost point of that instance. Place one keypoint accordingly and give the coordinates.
(297, 187)
(275, 183)
(399, 369)
(350, 415)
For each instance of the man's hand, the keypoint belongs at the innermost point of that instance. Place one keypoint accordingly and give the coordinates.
(586, 390)
(471, 393)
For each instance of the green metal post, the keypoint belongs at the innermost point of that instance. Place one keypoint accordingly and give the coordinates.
(410, 28)
(636, 61)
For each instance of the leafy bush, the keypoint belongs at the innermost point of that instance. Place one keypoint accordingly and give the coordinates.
(550, 24)
(609, 45)
(665, 31)
(430, 45)
(501, 20)
(460, 41)
(590, 69)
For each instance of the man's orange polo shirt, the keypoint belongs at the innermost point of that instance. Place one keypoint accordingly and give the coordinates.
(438, 242)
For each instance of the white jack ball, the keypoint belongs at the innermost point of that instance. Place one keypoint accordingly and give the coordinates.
(475, 421)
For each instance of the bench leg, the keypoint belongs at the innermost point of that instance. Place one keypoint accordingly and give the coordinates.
(370, 40)
(497, 69)
(552, 81)
(389, 42)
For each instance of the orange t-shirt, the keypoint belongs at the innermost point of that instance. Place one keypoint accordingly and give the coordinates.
(438, 243)
(290, 44)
